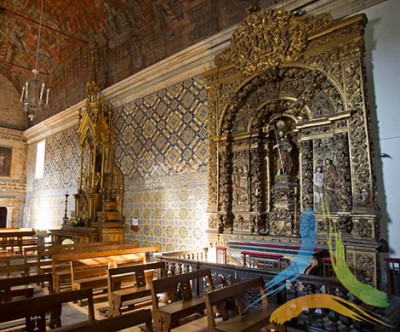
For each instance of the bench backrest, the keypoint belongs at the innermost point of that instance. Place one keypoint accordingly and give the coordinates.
(14, 270)
(103, 251)
(90, 267)
(60, 248)
(169, 286)
(236, 291)
(114, 324)
(13, 240)
(35, 309)
(115, 275)
(6, 285)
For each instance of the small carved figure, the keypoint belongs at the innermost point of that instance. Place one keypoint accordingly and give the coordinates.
(319, 183)
(235, 184)
(284, 148)
(331, 179)
(239, 185)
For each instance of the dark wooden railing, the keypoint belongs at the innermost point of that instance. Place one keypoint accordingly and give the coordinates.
(315, 320)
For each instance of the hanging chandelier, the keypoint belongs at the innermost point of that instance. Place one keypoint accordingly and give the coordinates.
(35, 95)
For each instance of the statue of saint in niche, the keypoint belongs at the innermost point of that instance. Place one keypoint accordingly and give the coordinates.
(240, 185)
(319, 184)
(284, 148)
(330, 185)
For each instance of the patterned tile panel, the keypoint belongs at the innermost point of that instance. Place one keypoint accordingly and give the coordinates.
(164, 133)
(61, 168)
(171, 216)
(161, 147)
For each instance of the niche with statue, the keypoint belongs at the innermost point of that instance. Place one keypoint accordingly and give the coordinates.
(288, 130)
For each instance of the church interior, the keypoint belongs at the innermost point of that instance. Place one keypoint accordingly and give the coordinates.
(211, 141)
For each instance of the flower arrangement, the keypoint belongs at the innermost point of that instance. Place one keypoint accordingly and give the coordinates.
(77, 222)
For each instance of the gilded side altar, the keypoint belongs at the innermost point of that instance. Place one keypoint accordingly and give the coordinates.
(98, 202)
(289, 129)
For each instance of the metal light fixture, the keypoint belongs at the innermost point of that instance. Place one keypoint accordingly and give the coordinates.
(32, 96)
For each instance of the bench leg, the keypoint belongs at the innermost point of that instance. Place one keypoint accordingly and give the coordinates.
(162, 323)
(115, 307)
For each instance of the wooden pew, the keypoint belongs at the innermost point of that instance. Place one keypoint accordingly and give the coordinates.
(43, 254)
(252, 319)
(92, 272)
(14, 270)
(167, 316)
(34, 310)
(60, 260)
(21, 286)
(11, 238)
(134, 289)
(113, 324)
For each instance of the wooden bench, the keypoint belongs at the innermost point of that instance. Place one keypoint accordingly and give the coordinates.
(179, 298)
(113, 324)
(133, 290)
(92, 272)
(12, 288)
(61, 269)
(17, 238)
(34, 310)
(14, 270)
(247, 318)
(59, 261)
(43, 254)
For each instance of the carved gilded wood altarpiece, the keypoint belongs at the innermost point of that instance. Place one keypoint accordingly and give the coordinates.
(99, 200)
(289, 129)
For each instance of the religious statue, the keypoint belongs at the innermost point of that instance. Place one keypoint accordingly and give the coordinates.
(331, 179)
(284, 148)
(240, 185)
(319, 183)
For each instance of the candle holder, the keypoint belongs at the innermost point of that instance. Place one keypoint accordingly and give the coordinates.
(66, 208)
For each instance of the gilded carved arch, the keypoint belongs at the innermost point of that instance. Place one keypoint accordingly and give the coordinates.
(287, 101)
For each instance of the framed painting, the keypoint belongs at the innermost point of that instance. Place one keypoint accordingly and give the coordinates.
(5, 161)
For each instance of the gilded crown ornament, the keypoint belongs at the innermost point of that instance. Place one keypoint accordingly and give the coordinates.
(268, 38)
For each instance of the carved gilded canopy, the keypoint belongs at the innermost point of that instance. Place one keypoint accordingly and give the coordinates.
(100, 191)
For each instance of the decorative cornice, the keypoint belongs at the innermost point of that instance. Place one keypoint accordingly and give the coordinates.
(8, 134)
(56, 123)
(183, 65)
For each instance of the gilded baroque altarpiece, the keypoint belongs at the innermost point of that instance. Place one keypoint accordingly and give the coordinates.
(289, 129)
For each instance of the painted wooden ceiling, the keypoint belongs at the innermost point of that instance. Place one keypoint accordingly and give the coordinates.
(130, 35)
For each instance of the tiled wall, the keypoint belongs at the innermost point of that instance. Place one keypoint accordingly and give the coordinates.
(45, 199)
(161, 147)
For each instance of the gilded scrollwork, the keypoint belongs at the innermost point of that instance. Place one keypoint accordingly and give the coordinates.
(269, 38)
(282, 68)
(363, 229)
(345, 224)
(280, 222)
(307, 171)
(344, 188)
(213, 222)
(212, 175)
(365, 268)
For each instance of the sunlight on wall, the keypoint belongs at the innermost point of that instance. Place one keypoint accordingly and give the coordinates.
(42, 215)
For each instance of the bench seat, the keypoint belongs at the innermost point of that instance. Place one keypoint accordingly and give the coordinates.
(253, 320)
(183, 308)
(167, 315)
(242, 317)
(129, 285)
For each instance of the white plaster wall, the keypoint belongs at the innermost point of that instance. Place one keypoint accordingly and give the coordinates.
(383, 71)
